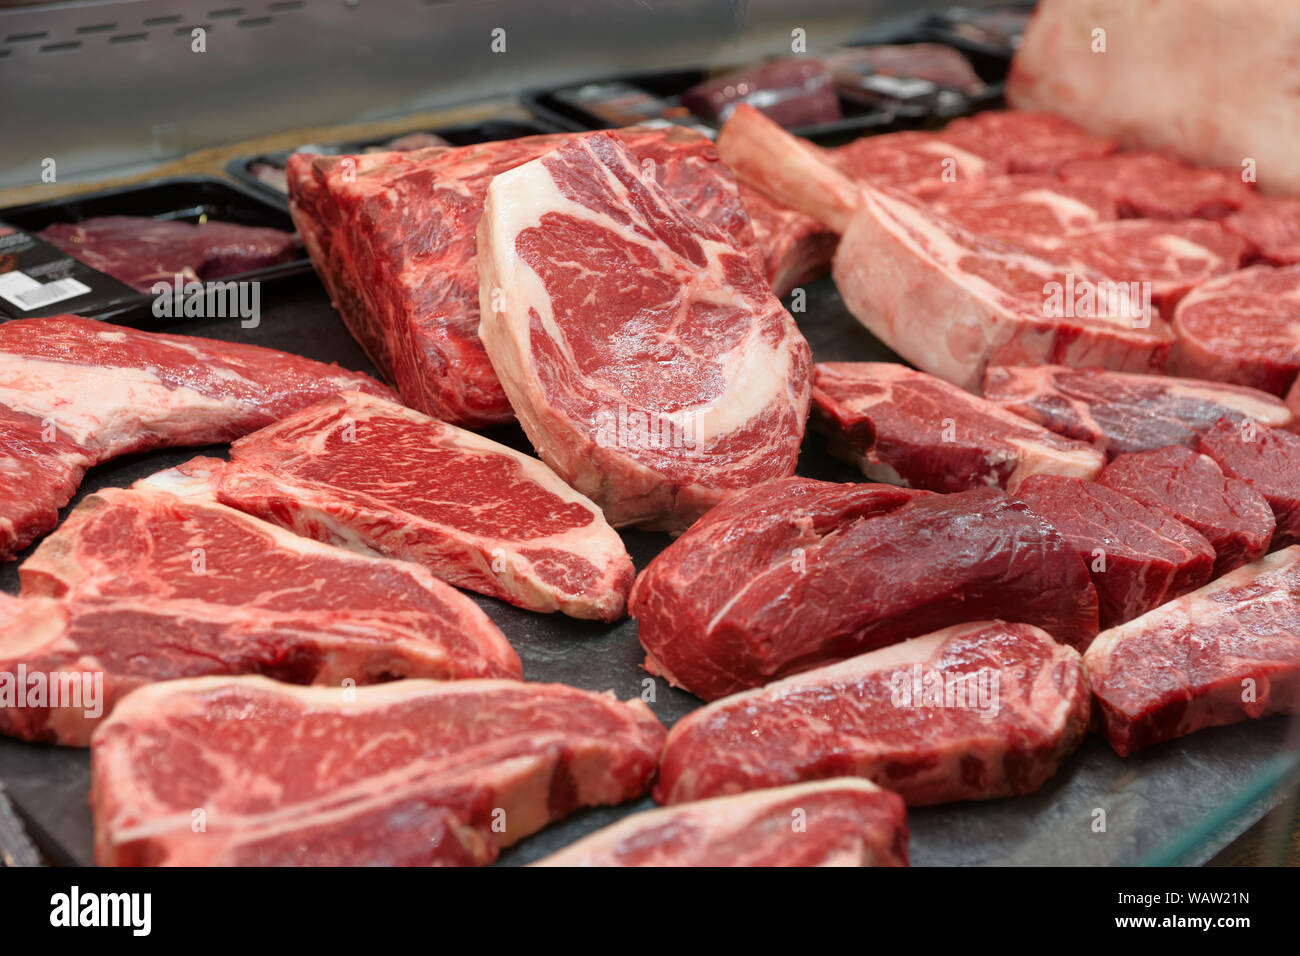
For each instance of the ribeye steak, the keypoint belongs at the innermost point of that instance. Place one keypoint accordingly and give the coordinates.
(1026, 141)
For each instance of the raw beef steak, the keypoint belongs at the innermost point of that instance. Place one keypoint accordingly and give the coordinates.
(407, 774)
(392, 236)
(1233, 516)
(1154, 186)
(1272, 225)
(910, 428)
(979, 710)
(1020, 207)
(142, 251)
(796, 248)
(845, 822)
(75, 392)
(797, 573)
(910, 160)
(1174, 257)
(952, 302)
(645, 357)
(1139, 557)
(1243, 327)
(1120, 412)
(154, 586)
(378, 477)
(1025, 141)
(1268, 460)
(793, 171)
(1226, 653)
(1216, 82)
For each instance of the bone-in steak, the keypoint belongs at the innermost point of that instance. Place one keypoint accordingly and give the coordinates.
(1226, 653)
(1026, 141)
(1233, 516)
(980, 710)
(645, 356)
(796, 248)
(844, 822)
(75, 392)
(371, 474)
(907, 427)
(796, 573)
(1154, 186)
(143, 585)
(409, 773)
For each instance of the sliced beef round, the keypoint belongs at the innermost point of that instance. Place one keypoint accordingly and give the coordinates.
(363, 472)
(1020, 207)
(645, 356)
(1243, 327)
(1139, 557)
(1026, 141)
(910, 160)
(406, 774)
(1268, 460)
(1233, 516)
(1272, 225)
(795, 573)
(904, 426)
(1120, 412)
(1225, 653)
(980, 710)
(847, 822)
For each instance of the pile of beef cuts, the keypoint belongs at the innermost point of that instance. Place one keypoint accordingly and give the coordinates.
(1081, 505)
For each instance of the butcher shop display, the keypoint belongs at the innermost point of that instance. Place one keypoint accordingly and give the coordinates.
(871, 441)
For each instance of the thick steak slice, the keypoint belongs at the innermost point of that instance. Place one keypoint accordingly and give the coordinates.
(979, 710)
(1154, 186)
(844, 822)
(796, 248)
(1025, 141)
(1174, 257)
(907, 427)
(75, 392)
(1020, 207)
(912, 161)
(819, 571)
(1226, 653)
(153, 586)
(952, 302)
(1139, 557)
(1272, 225)
(1243, 327)
(378, 477)
(1268, 460)
(645, 356)
(407, 774)
(1120, 412)
(1233, 516)
(392, 236)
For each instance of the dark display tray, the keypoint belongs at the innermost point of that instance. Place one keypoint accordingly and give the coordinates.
(185, 198)
(1177, 803)
(463, 134)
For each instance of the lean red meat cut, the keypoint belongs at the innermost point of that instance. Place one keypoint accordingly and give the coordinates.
(142, 585)
(1226, 653)
(1020, 207)
(796, 573)
(1154, 186)
(1026, 141)
(1272, 225)
(796, 248)
(952, 302)
(1139, 557)
(75, 392)
(980, 710)
(407, 774)
(1120, 412)
(1233, 516)
(392, 236)
(369, 474)
(1268, 460)
(912, 161)
(1243, 327)
(846, 822)
(645, 357)
(907, 427)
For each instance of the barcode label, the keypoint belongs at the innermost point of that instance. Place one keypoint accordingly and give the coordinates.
(20, 289)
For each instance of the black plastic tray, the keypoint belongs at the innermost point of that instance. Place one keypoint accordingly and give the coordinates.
(186, 198)
(464, 134)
